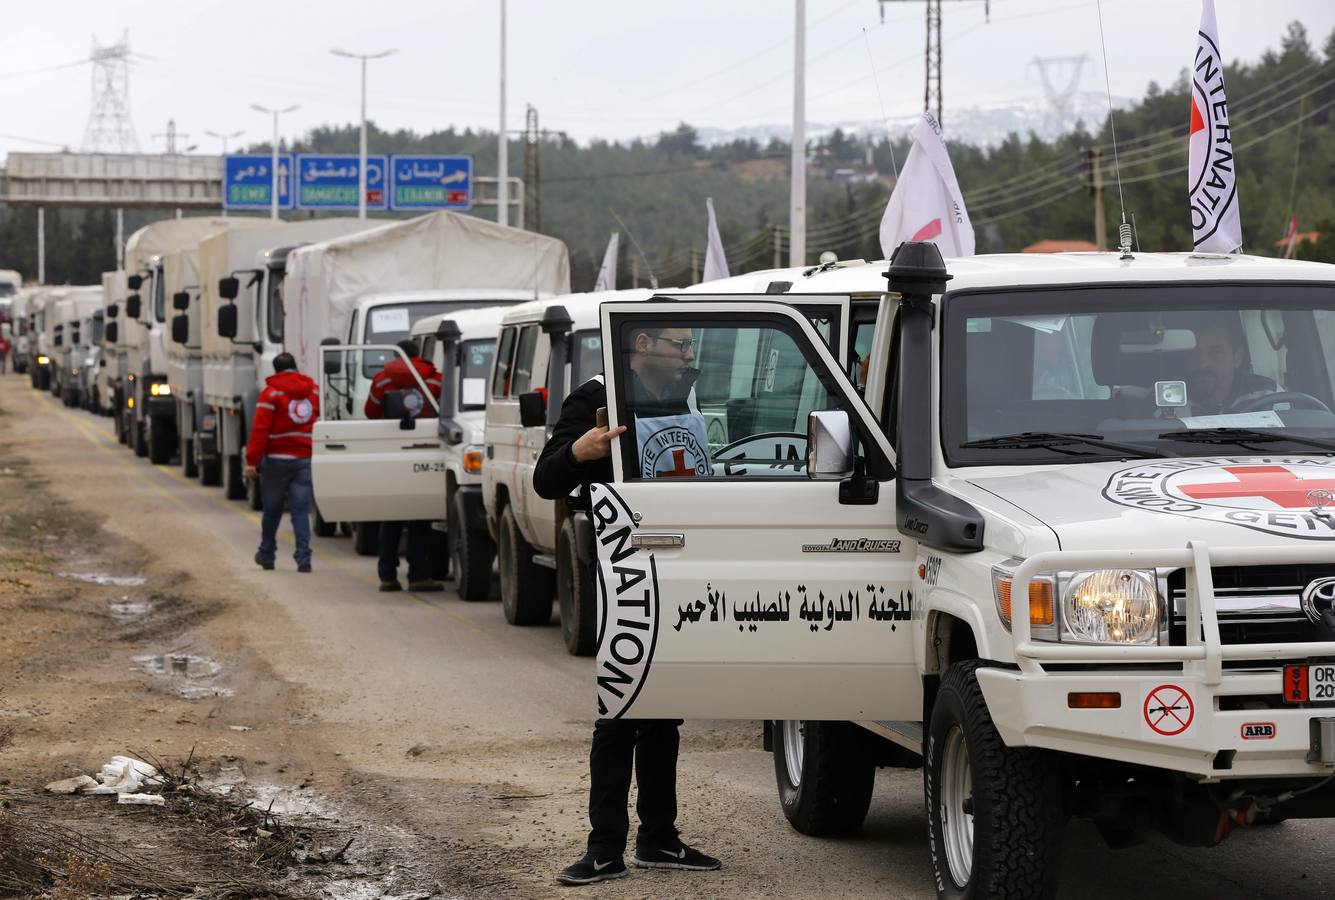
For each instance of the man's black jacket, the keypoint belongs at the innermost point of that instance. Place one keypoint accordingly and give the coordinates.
(557, 473)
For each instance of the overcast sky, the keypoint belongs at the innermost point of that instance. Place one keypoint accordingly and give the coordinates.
(609, 68)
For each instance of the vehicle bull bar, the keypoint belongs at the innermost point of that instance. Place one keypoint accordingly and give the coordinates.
(1204, 653)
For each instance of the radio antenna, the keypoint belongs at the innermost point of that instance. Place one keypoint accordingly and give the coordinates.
(653, 279)
(1124, 232)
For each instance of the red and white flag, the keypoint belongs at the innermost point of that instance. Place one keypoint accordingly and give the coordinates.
(1213, 178)
(926, 204)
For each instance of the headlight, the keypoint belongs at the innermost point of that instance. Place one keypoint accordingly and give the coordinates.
(160, 390)
(43, 360)
(1111, 606)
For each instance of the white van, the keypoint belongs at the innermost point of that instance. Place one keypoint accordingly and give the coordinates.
(1138, 446)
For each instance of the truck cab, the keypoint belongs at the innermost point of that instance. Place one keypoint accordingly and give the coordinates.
(1138, 446)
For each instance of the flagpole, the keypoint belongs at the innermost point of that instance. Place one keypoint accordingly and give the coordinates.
(797, 211)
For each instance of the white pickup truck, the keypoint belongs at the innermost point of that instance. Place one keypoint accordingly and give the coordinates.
(1141, 446)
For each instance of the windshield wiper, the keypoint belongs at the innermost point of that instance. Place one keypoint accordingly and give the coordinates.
(1054, 440)
(1243, 436)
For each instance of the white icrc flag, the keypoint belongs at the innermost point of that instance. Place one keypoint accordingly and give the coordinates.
(1212, 175)
(926, 204)
(607, 275)
(716, 262)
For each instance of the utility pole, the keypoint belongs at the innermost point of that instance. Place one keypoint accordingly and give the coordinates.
(41, 245)
(1094, 160)
(361, 155)
(933, 55)
(634, 271)
(273, 167)
(171, 134)
(797, 191)
(502, 145)
(120, 239)
(532, 169)
(695, 266)
(778, 247)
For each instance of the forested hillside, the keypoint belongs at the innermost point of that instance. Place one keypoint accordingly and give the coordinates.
(1019, 192)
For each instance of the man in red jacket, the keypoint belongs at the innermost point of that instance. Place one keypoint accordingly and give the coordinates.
(396, 376)
(280, 437)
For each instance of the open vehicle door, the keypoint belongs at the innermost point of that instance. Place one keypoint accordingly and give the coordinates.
(375, 470)
(733, 582)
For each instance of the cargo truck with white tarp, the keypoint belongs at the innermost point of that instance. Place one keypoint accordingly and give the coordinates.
(1134, 449)
(240, 323)
(368, 289)
(112, 365)
(149, 413)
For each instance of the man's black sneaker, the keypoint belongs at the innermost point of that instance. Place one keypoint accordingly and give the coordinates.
(303, 567)
(389, 586)
(265, 564)
(679, 857)
(426, 585)
(591, 869)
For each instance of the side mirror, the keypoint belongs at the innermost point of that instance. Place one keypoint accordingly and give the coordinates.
(134, 282)
(181, 300)
(180, 328)
(829, 445)
(229, 288)
(532, 409)
(113, 310)
(227, 320)
(333, 360)
(111, 332)
(132, 306)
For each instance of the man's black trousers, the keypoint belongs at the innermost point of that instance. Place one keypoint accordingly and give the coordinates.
(650, 747)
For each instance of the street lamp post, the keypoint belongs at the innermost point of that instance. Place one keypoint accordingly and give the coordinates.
(224, 138)
(273, 166)
(361, 165)
(503, 145)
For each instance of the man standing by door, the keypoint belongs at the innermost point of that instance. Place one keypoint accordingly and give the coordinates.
(397, 376)
(579, 454)
(279, 450)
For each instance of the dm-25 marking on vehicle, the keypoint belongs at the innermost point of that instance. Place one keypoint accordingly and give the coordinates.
(853, 545)
(428, 467)
(1268, 494)
(819, 612)
(627, 605)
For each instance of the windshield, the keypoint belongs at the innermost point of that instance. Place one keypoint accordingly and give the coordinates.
(474, 366)
(1130, 364)
(7, 289)
(389, 324)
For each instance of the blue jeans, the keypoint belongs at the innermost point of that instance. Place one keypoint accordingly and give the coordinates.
(286, 481)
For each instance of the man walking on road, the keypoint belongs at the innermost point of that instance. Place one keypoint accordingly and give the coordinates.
(280, 440)
(397, 376)
(577, 455)
(4, 350)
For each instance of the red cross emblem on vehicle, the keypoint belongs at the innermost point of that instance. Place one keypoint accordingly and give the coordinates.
(679, 468)
(1274, 483)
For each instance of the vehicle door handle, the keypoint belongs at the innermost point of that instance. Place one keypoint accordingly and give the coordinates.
(336, 446)
(491, 451)
(427, 445)
(646, 540)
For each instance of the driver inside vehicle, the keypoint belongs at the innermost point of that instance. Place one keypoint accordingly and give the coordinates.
(1218, 373)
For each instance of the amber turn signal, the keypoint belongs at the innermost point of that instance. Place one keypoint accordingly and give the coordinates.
(1094, 700)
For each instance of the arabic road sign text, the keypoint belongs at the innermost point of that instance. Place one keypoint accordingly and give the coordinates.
(248, 181)
(431, 182)
(330, 180)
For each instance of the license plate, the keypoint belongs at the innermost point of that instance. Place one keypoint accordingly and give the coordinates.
(1310, 683)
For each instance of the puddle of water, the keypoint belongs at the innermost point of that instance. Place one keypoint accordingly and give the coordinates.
(192, 676)
(125, 609)
(105, 580)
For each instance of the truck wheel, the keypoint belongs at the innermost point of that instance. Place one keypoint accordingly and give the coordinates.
(321, 528)
(526, 587)
(210, 470)
(825, 773)
(118, 423)
(576, 596)
(473, 552)
(366, 538)
(161, 444)
(234, 486)
(189, 462)
(994, 813)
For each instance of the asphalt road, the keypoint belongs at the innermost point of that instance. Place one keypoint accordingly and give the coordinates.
(482, 728)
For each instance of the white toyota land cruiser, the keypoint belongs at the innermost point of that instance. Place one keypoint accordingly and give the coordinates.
(1141, 447)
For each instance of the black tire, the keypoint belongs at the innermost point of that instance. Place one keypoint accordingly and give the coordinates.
(210, 470)
(576, 595)
(189, 464)
(118, 422)
(234, 485)
(320, 527)
(161, 444)
(1015, 798)
(825, 788)
(472, 553)
(366, 538)
(527, 588)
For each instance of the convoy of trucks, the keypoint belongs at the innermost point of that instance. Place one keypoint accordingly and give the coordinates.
(874, 460)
